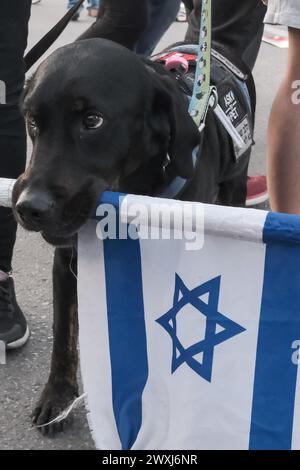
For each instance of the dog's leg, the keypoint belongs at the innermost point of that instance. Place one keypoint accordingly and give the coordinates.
(61, 388)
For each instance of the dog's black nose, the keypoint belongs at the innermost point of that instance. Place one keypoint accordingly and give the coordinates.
(35, 207)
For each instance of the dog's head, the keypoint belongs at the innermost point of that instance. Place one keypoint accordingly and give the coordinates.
(99, 118)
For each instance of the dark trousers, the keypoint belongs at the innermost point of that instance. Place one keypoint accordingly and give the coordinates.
(162, 13)
(14, 19)
(122, 21)
(237, 25)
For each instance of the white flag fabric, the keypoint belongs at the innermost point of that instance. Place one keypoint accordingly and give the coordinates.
(193, 349)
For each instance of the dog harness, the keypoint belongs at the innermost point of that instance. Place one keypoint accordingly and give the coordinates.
(230, 100)
(228, 80)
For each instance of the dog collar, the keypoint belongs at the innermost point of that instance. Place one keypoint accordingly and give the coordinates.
(175, 188)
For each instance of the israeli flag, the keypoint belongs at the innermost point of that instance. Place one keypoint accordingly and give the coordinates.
(187, 348)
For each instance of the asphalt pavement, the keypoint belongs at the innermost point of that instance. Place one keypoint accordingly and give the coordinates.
(25, 372)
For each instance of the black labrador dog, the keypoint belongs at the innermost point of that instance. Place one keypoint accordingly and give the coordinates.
(101, 118)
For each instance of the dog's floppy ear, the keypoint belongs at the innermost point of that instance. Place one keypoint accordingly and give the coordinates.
(171, 122)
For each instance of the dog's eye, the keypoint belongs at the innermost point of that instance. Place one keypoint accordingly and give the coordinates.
(32, 125)
(92, 121)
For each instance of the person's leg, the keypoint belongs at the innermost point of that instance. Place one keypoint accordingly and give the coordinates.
(251, 51)
(119, 21)
(13, 38)
(189, 5)
(161, 15)
(284, 136)
(71, 3)
(236, 25)
(93, 8)
(95, 3)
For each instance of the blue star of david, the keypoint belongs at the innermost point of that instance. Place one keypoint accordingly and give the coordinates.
(184, 296)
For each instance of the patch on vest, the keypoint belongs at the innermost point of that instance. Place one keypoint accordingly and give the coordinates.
(234, 99)
(234, 107)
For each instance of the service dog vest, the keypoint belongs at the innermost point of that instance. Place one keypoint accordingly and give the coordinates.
(231, 84)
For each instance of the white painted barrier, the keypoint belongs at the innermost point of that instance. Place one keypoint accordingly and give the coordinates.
(6, 188)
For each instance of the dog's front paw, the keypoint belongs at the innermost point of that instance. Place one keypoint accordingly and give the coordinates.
(55, 398)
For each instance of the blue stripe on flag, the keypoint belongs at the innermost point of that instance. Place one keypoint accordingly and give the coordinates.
(111, 197)
(275, 374)
(282, 228)
(127, 335)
